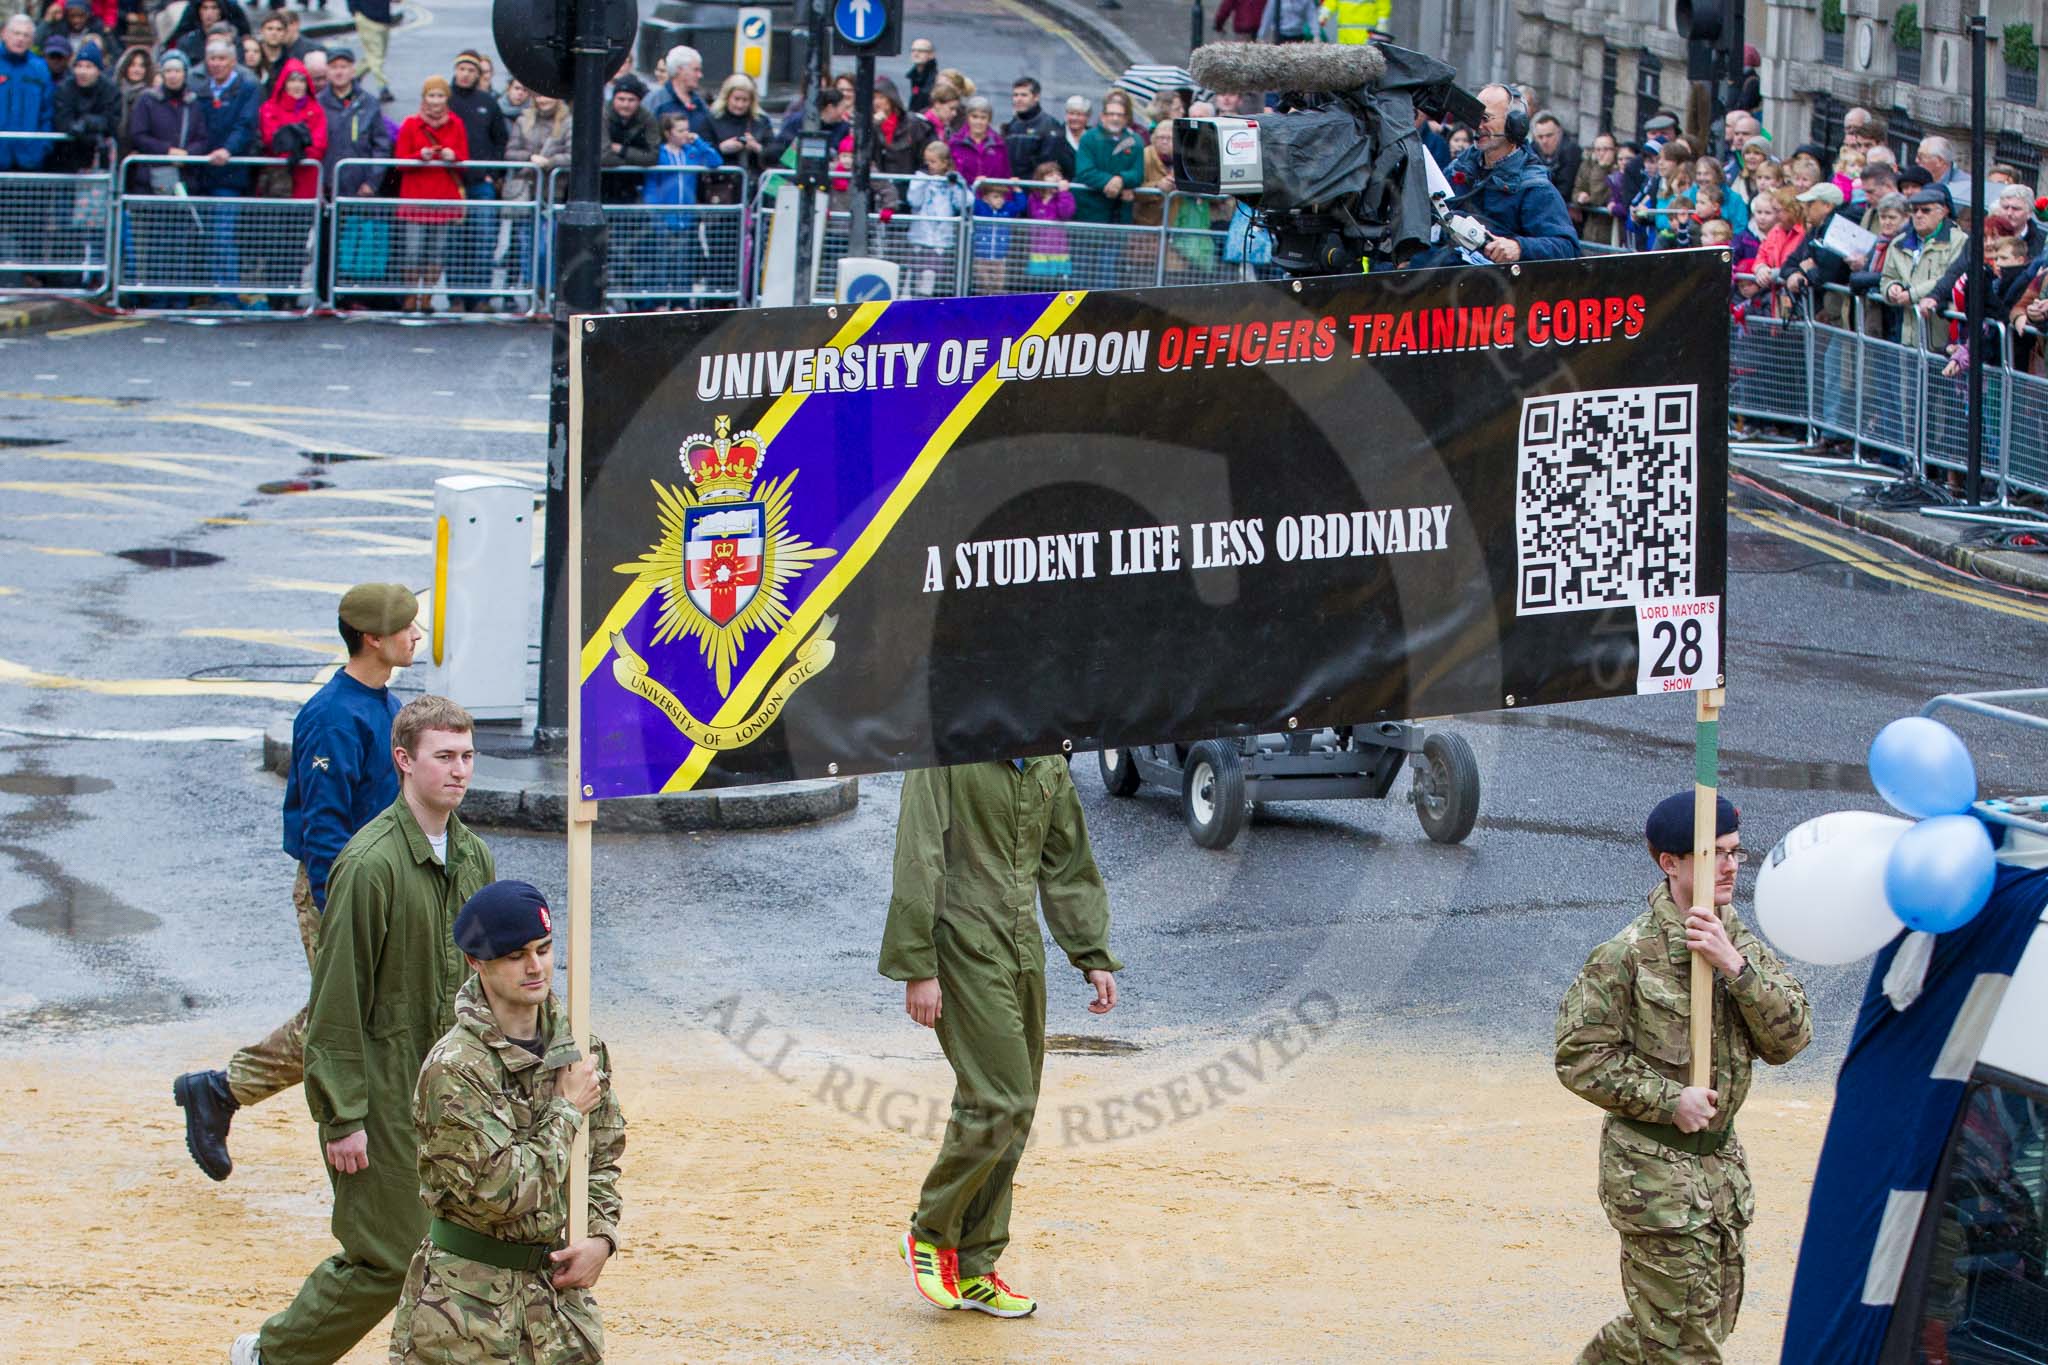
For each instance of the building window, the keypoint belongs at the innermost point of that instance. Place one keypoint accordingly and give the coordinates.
(1649, 88)
(2017, 151)
(1610, 82)
(1831, 49)
(1979, 1283)
(1826, 124)
(1902, 134)
(2022, 87)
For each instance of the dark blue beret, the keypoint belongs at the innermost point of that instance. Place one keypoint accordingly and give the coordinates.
(1669, 828)
(500, 919)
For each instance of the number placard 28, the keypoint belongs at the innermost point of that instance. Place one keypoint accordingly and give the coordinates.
(1678, 644)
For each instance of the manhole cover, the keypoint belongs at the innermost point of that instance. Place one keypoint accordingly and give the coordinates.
(291, 485)
(169, 557)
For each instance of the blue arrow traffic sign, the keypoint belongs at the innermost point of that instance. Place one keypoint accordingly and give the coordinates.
(753, 26)
(858, 21)
(867, 289)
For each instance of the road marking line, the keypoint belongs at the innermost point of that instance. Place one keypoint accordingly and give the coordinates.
(1061, 32)
(94, 328)
(64, 551)
(146, 463)
(1856, 558)
(1909, 571)
(323, 642)
(79, 399)
(112, 494)
(417, 544)
(22, 675)
(179, 734)
(156, 341)
(301, 585)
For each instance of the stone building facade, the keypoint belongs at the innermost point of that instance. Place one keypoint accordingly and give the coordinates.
(1614, 63)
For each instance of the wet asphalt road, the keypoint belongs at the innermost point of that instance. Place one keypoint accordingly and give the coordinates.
(140, 882)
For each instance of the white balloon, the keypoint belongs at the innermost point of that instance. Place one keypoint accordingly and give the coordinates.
(1820, 892)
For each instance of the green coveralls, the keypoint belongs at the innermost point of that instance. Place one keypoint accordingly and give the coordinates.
(976, 846)
(384, 982)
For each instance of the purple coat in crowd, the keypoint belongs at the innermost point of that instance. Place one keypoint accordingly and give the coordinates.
(989, 160)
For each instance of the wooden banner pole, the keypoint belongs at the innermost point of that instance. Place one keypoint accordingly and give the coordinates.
(582, 812)
(1705, 791)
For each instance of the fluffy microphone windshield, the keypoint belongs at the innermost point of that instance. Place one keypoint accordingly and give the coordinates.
(1305, 68)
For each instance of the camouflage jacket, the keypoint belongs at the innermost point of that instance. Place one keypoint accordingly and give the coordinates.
(494, 1137)
(1624, 1029)
(978, 848)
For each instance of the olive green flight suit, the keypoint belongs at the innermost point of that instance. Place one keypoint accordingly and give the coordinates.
(977, 848)
(1624, 1043)
(385, 976)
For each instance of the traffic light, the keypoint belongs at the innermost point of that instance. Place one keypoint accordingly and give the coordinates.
(1712, 30)
(534, 37)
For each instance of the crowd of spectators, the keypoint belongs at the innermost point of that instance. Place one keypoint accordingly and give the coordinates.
(208, 86)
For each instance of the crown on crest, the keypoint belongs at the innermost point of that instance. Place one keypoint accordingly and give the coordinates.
(723, 465)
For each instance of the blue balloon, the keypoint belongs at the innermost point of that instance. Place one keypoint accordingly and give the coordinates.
(1940, 872)
(1922, 768)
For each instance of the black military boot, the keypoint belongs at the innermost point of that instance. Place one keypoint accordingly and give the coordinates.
(209, 1107)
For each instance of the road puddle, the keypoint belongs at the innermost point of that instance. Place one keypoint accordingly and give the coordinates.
(1085, 1045)
(51, 784)
(168, 557)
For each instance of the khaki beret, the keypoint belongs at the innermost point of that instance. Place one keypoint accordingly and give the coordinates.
(379, 608)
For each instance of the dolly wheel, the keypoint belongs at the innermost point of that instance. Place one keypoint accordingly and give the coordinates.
(1212, 793)
(1446, 791)
(1119, 771)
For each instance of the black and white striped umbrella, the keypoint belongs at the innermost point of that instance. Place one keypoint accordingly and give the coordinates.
(1144, 81)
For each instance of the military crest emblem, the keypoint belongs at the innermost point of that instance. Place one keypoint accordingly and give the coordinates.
(725, 566)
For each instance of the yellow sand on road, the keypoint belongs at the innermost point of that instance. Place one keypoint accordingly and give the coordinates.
(1354, 1206)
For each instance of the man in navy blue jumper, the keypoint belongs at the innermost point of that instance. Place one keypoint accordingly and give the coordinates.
(342, 774)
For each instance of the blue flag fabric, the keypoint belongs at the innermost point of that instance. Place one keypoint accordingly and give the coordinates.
(1892, 1117)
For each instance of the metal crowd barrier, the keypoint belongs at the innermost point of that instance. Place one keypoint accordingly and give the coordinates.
(56, 227)
(192, 239)
(682, 255)
(390, 254)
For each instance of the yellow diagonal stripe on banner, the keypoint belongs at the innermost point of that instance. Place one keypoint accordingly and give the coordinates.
(598, 645)
(863, 549)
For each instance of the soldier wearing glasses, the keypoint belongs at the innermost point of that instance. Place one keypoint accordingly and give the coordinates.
(1673, 1179)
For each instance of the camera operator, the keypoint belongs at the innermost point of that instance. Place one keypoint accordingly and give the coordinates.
(1498, 181)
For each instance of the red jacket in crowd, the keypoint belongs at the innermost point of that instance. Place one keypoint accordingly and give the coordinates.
(416, 139)
(281, 110)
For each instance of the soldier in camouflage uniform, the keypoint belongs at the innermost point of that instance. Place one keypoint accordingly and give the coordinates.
(1673, 1180)
(500, 1099)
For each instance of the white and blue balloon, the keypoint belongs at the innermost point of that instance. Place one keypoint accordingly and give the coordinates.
(1839, 887)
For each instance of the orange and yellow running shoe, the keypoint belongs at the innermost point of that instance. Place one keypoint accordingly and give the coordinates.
(934, 1271)
(988, 1294)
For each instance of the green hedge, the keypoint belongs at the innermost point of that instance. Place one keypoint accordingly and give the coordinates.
(1906, 28)
(2020, 52)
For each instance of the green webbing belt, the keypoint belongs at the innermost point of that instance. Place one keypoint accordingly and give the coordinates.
(474, 1246)
(1699, 1144)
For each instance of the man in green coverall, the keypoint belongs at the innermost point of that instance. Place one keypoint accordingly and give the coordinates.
(385, 976)
(976, 847)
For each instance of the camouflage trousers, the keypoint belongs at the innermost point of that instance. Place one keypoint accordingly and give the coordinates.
(1681, 1218)
(278, 1063)
(456, 1311)
(1683, 1290)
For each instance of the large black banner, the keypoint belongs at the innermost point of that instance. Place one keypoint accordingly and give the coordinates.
(888, 536)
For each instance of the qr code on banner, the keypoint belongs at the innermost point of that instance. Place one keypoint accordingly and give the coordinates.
(1606, 498)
